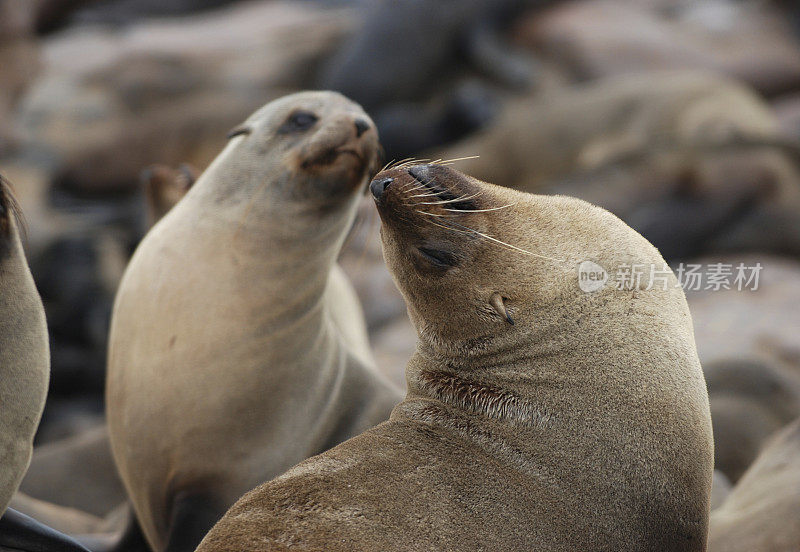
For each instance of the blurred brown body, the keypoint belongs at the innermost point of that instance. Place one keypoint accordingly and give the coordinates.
(24, 354)
(762, 513)
(750, 400)
(237, 346)
(694, 162)
(538, 416)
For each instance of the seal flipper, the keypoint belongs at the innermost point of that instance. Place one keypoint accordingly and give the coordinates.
(19, 532)
(193, 515)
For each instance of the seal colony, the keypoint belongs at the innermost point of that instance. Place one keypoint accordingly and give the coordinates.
(538, 416)
(237, 346)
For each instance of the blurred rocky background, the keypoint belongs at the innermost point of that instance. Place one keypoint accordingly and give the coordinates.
(680, 116)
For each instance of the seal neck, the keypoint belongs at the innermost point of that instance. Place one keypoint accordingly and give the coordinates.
(522, 376)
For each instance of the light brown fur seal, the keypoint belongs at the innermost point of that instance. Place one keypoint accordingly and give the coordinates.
(237, 346)
(538, 416)
(762, 512)
(751, 399)
(24, 375)
(694, 162)
(24, 353)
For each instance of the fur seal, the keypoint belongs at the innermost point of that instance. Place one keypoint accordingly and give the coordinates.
(538, 416)
(24, 352)
(25, 366)
(751, 43)
(422, 100)
(237, 347)
(751, 399)
(762, 511)
(694, 162)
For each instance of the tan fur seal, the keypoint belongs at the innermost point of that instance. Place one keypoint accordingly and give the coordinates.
(751, 399)
(24, 374)
(762, 512)
(24, 353)
(695, 162)
(237, 346)
(538, 416)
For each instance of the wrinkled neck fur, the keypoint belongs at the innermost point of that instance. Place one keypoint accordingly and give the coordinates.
(512, 376)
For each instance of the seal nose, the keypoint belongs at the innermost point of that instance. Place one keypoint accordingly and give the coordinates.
(421, 173)
(378, 186)
(361, 127)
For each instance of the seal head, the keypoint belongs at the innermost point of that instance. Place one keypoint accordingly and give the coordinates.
(319, 146)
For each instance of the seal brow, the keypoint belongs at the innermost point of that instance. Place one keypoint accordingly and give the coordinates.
(238, 131)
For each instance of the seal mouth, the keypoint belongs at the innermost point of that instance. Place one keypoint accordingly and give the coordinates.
(330, 156)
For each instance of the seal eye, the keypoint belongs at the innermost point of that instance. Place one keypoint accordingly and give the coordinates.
(438, 258)
(298, 122)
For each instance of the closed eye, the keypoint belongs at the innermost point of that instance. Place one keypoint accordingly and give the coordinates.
(298, 121)
(439, 258)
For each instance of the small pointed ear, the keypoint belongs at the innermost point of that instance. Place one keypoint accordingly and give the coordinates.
(497, 302)
(187, 177)
(241, 129)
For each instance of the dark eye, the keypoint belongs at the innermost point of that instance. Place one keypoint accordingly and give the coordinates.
(439, 258)
(298, 122)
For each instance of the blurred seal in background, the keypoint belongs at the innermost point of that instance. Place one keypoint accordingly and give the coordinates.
(762, 510)
(25, 366)
(423, 69)
(24, 351)
(694, 162)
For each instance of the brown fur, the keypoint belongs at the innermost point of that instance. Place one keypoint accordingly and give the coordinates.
(654, 149)
(237, 347)
(582, 425)
(24, 353)
(750, 400)
(762, 511)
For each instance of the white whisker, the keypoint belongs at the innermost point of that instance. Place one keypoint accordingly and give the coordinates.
(457, 159)
(479, 210)
(456, 200)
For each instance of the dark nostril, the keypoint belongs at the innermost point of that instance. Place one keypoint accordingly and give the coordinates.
(361, 127)
(421, 173)
(378, 186)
